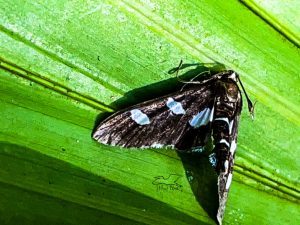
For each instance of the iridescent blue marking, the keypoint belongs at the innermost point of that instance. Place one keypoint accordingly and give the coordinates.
(201, 119)
(198, 149)
(175, 107)
(212, 159)
(139, 117)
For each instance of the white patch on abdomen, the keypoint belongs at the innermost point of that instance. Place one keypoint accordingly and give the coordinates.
(226, 166)
(228, 182)
(224, 142)
(232, 147)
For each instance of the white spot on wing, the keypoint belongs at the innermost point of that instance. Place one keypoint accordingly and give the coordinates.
(139, 117)
(228, 182)
(201, 119)
(157, 145)
(232, 147)
(175, 107)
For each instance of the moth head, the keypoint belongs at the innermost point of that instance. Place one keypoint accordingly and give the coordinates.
(229, 84)
(231, 90)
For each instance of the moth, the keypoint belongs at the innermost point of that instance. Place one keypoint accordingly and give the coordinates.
(186, 120)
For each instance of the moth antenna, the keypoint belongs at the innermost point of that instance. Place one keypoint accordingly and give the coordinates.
(178, 68)
(252, 113)
(250, 104)
(192, 80)
(208, 71)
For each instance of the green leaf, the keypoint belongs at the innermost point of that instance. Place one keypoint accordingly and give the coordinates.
(283, 16)
(62, 63)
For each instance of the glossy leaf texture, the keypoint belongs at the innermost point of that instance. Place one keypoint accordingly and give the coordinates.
(65, 64)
